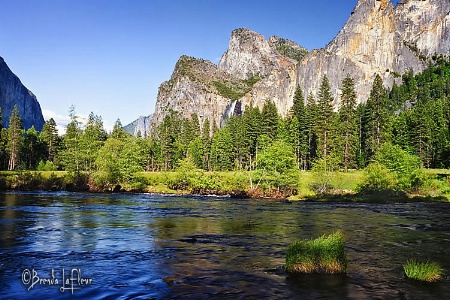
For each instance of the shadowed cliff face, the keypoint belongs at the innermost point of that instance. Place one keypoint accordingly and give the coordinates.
(378, 38)
(140, 126)
(13, 92)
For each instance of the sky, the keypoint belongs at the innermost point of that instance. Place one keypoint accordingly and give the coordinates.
(110, 56)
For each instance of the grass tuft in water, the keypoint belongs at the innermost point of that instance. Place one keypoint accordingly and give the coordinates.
(423, 271)
(325, 254)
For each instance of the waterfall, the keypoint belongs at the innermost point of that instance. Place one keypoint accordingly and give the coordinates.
(229, 111)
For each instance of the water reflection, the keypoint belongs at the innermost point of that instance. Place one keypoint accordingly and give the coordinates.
(149, 246)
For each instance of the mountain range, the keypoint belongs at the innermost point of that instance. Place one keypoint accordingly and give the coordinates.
(378, 38)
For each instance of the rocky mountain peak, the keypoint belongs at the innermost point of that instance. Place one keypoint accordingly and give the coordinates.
(248, 54)
(287, 48)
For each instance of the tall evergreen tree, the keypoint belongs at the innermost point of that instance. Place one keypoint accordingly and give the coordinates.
(310, 129)
(377, 117)
(269, 119)
(32, 149)
(206, 141)
(14, 138)
(169, 132)
(347, 122)
(298, 128)
(49, 136)
(118, 132)
(222, 150)
(71, 156)
(324, 125)
(238, 134)
(252, 120)
(91, 141)
(3, 143)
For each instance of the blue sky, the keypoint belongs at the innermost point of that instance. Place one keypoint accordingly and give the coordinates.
(110, 57)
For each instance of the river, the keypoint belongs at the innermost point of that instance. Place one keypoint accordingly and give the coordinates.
(141, 246)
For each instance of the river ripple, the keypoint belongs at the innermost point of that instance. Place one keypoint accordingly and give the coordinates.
(158, 247)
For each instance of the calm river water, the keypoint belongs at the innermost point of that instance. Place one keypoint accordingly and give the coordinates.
(142, 246)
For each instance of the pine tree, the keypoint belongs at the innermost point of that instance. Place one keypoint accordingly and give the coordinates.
(91, 141)
(206, 141)
(377, 117)
(196, 152)
(3, 143)
(347, 122)
(71, 156)
(298, 106)
(310, 129)
(169, 135)
(325, 120)
(118, 132)
(269, 120)
(236, 127)
(33, 149)
(222, 150)
(252, 120)
(298, 128)
(49, 136)
(14, 138)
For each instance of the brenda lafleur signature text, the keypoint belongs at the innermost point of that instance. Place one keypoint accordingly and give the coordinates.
(69, 281)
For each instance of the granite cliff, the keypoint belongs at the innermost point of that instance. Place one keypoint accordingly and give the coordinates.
(13, 92)
(378, 38)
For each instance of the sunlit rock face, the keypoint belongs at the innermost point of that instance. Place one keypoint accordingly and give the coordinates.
(13, 92)
(378, 38)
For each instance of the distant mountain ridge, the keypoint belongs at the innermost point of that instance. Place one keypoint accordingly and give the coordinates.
(378, 38)
(13, 92)
(141, 125)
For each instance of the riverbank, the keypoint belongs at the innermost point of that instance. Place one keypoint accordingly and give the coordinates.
(301, 185)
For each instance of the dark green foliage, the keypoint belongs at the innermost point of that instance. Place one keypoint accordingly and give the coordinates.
(252, 120)
(325, 254)
(348, 124)
(118, 132)
(325, 124)
(269, 119)
(222, 157)
(33, 149)
(70, 155)
(376, 118)
(235, 90)
(298, 128)
(14, 138)
(310, 129)
(169, 135)
(50, 138)
(238, 134)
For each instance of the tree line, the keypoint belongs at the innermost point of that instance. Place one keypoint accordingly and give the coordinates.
(414, 115)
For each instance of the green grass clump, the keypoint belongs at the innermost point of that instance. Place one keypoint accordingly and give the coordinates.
(325, 254)
(423, 271)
